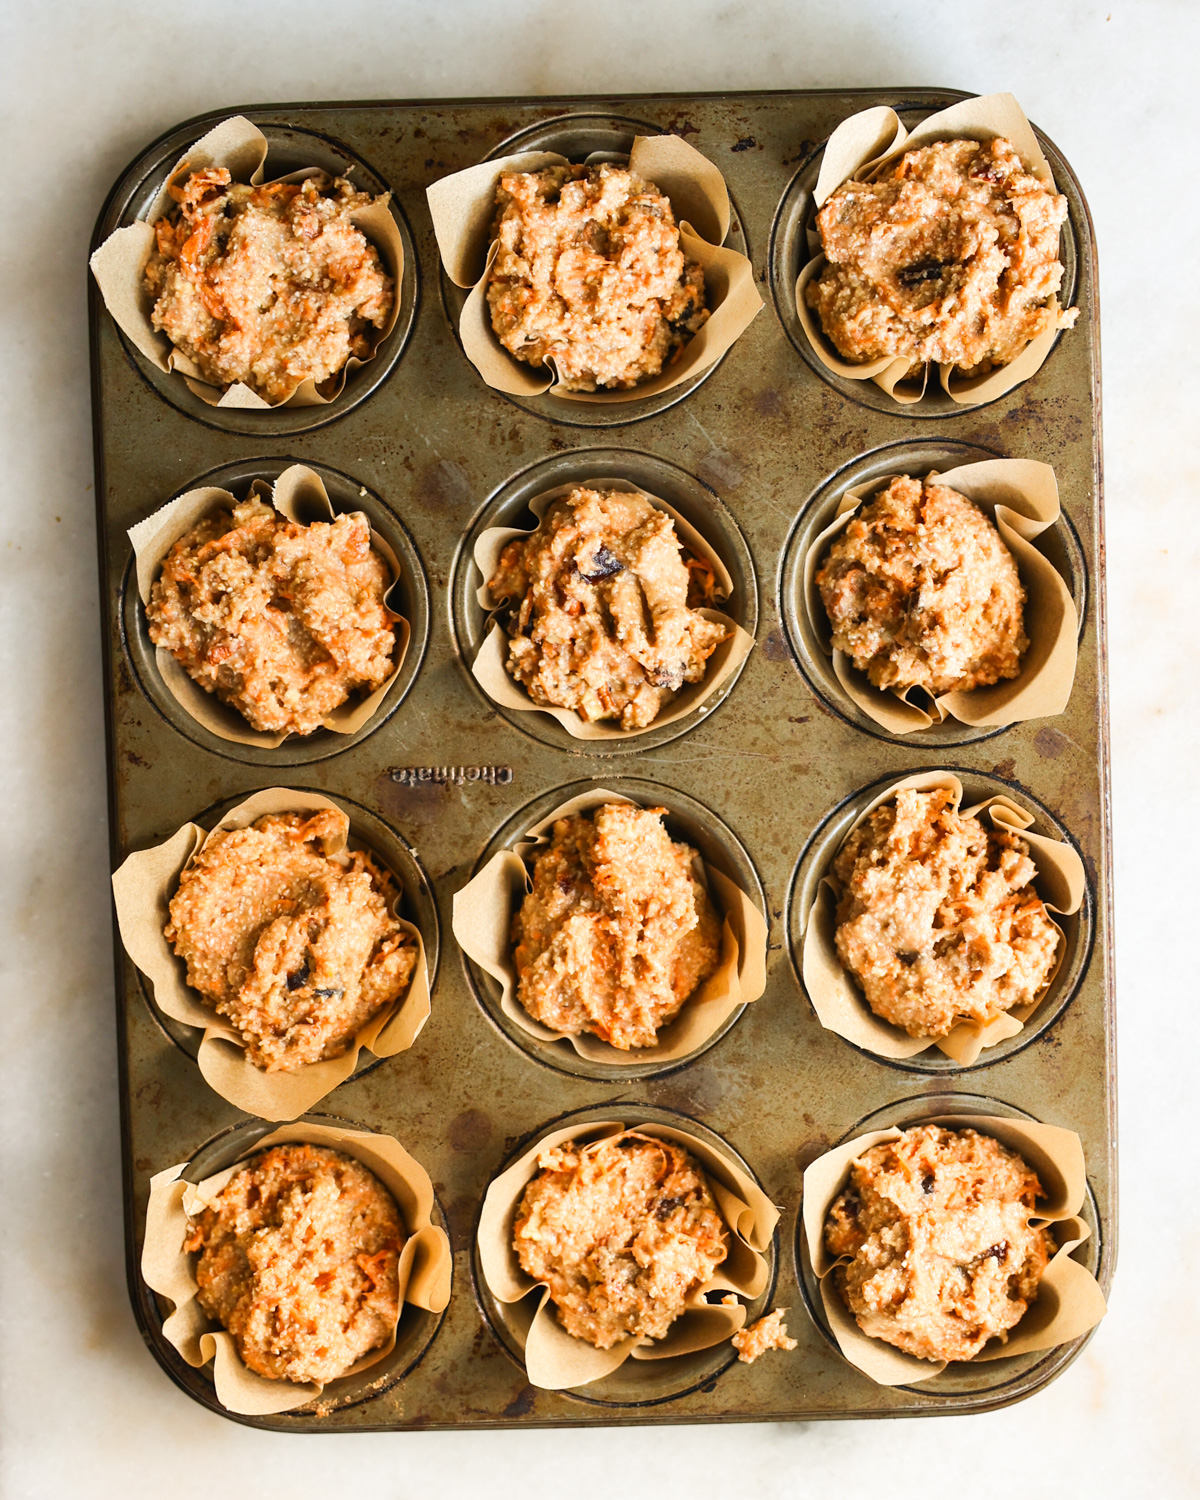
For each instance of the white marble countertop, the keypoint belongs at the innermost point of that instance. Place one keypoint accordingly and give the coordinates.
(84, 1409)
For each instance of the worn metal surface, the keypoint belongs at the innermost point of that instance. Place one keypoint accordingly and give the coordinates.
(751, 445)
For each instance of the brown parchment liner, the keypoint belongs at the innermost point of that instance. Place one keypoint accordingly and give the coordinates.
(839, 1003)
(554, 1359)
(463, 207)
(424, 1268)
(142, 890)
(1069, 1300)
(299, 495)
(483, 912)
(1021, 496)
(119, 266)
(488, 668)
(860, 148)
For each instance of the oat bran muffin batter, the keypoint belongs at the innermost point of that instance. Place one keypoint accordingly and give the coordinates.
(761, 1337)
(621, 1231)
(281, 621)
(295, 948)
(951, 257)
(937, 916)
(268, 285)
(297, 1260)
(601, 608)
(616, 932)
(942, 1256)
(590, 273)
(921, 591)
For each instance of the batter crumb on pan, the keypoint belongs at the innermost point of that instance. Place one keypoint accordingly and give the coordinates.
(296, 948)
(622, 1232)
(297, 1259)
(616, 931)
(770, 1332)
(590, 273)
(937, 916)
(940, 1255)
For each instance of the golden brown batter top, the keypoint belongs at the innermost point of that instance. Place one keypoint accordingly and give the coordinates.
(921, 592)
(768, 1333)
(950, 257)
(602, 598)
(617, 931)
(621, 1232)
(943, 1256)
(590, 273)
(283, 622)
(297, 1260)
(937, 916)
(297, 949)
(267, 285)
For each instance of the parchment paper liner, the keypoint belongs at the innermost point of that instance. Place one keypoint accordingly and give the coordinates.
(483, 912)
(488, 667)
(424, 1268)
(1021, 497)
(300, 495)
(119, 266)
(143, 888)
(859, 149)
(837, 999)
(463, 207)
(554, 1359)
(1069, 1300)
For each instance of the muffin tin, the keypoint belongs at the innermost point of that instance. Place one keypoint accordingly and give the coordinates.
(768, 772)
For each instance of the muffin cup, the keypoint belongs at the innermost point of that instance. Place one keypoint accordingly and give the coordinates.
(119, 266)
(483, 912)
(463, 207)
(143, 888)
(837, 999)
(424, 1268)
(1069, 1300)
(1021, 497)
(298, 495)
(488, 668)
(859, 149)
(554, 1359)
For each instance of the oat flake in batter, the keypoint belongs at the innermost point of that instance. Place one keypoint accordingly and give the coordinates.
(297, 1260)
(942, 1256)
(622, 1232)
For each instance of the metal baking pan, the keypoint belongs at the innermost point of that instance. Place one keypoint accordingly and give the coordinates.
(755, 445)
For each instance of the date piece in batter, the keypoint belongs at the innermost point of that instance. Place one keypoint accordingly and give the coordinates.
(270, 286)
(281, 621)
(297, 949)
(942, 1254)
(768, 1333)
(937, 916)
(950, 257)
(297, 1260)
(590, 273)
(621, 1231)
(921, 592)
(617, 931)
(601, 601)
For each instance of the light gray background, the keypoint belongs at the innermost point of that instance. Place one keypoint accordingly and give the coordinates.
(86, 1411)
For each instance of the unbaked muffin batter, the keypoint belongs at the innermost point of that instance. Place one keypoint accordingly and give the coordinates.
(601, 618)
(761, 1337)
(295, 948)
(616, 932)
(281, 621)
(937, 916)
(942, 1256)
(590, 273)
(621, 1231)
(950, 257)
(297, 1260)
(269, 285)
(921, 592)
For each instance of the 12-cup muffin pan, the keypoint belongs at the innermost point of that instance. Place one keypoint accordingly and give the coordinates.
(763, 778)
